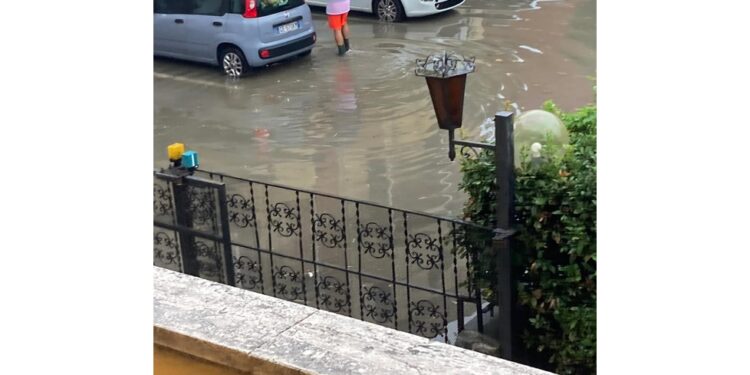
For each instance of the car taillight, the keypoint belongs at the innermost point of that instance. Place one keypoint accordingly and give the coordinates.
(265, 53)
(251, 11)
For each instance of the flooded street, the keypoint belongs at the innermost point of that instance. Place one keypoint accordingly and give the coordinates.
(363, 126)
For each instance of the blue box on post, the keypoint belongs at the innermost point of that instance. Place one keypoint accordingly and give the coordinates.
(190, 160)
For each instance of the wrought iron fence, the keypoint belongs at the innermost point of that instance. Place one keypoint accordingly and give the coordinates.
(390, 266)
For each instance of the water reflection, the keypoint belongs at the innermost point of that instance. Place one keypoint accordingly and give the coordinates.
(345, 97)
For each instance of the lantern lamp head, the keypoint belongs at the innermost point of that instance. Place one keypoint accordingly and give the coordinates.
(445, 74)
(445, 65)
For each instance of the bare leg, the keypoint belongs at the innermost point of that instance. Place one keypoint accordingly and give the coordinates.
(345, 30)
(339, 42)
(339, 38)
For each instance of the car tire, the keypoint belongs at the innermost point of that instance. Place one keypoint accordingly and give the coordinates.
(389, 10)
(233, 63)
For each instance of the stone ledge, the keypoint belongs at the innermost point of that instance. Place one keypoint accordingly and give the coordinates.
(260, 334)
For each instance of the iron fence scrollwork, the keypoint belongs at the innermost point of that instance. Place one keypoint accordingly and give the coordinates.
(166, 252)
(247, 272)
(402, 269)
(376, 240)
(288, 283)
(379, 305)
(241, 211)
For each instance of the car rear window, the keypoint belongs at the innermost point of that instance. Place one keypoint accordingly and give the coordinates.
(198, 7)
(237, 6)
(205, 7)
(274, 6)
(168, 6)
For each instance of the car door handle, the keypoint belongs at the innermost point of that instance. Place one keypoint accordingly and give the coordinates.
(217, 23)
(178, 20)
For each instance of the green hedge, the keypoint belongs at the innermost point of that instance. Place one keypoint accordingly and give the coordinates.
(555, 248)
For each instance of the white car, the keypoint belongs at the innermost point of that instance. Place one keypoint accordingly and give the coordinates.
(398, 10)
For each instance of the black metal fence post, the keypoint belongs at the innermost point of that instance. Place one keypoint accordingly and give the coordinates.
(226, 236)
(504, 215)
(190, 263)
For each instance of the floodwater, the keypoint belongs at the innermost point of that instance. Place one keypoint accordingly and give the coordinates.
(363, 126)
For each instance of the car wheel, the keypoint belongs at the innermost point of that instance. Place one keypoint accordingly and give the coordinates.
(389, 10)
(232, 61)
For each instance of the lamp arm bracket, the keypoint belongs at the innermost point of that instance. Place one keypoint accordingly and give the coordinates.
(487, 146)
(464, 145)
(502, 234)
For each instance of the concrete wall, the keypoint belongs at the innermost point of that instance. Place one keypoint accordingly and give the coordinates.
(172, 362)
(215, 327)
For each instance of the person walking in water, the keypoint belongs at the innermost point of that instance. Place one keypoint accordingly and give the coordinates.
(338, 12)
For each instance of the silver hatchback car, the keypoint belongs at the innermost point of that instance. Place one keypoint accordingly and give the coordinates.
(233, 34)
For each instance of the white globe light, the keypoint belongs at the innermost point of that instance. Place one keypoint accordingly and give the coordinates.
(536, 150)
(531, 130)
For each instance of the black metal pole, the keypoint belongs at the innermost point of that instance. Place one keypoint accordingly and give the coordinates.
(187, 250)
(225, 234)
(451, 145)
(505, 176)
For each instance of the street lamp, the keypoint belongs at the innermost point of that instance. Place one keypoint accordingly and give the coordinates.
(445, 74)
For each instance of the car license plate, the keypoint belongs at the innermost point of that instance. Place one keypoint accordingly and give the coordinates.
(288, 27)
